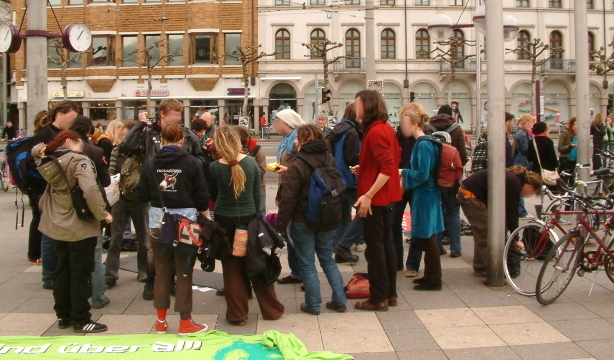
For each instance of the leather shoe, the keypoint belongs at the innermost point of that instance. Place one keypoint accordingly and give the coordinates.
(455, 254)
(305, 309)
(332, 306)
(427, 286)
(345, 254)
(289, 280)
(393, 301)
(368, 306)
(421, 280)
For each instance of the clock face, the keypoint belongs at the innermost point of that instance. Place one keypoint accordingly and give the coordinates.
(77, 37)
(10, 41)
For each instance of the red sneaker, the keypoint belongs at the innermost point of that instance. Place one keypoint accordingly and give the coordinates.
(36, 262)
(161, 326)
(187, 327)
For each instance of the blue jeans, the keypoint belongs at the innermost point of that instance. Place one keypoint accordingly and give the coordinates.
(398, 209)
(522, 211)
(50, 259)
(307, 244)
(128, 228)
(348, 198)
(353, 233)
(292, 260)
(451, 207)
(98, 278)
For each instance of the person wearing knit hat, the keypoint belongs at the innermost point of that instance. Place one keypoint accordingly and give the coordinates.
(445, 109)
(286, 123)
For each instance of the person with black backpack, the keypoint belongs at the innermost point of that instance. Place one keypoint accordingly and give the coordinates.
(313, 238)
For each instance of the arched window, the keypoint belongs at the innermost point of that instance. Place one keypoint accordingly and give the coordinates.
(423, 44)
(282, 44)
(591, 46)
(555, 3)
(523, 45)
(352, 48)
(458, 52)
(556, 41)
(388, 44)
(317, 37)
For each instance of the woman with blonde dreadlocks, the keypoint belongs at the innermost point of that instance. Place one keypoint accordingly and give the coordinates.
(238, 201)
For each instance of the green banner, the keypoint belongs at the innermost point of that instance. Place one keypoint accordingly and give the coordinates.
(214, 345)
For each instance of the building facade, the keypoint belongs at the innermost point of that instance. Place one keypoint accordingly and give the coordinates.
(108, 83)
(404, 55)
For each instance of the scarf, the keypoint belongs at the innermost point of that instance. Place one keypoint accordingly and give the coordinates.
(286, 144)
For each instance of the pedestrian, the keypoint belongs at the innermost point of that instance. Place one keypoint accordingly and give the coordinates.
(545, 149)
(568, 151)
(309, 243)
(598, 133)
(286, 124)
(9, 132)
(456, 112)
(210, 126)
(74, 238)
(144, 140)
(125, 211)
(185, 193)
(473, 196)
(426, 208)
(378, 188)
(323, 125)
(406, 143)
(520, 149)
(111, 138)
(238, 202)
(250, 147)
(262, 120)
(609, 127)
(61, 117)
(199, 127)
(345, 140)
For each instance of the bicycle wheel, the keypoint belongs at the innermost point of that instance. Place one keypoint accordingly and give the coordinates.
(521, 267)
(4, 180)
(609, 267)
(559, 268)
(568, 221)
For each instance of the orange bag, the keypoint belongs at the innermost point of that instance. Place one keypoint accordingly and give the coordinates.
(358, 287)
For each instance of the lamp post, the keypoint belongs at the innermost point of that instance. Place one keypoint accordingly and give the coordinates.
(488, 18)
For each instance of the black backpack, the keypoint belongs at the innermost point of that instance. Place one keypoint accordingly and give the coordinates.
(21, 163)
(323, 200)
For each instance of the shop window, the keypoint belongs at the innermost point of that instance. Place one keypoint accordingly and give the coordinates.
(231, 41)
(204, 49)
(103, 111)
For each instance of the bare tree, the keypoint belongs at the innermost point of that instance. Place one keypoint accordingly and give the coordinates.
(63, 59)
(603, 63)
(245, 56)
(533, 51)
(151, 57)
(320, 49)
(452, 57)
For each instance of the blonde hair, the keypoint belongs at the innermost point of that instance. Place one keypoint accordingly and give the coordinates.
(597, 120)
(526, 119)
(415, 112)
(96, 135)
(228, 146)
(112, 129)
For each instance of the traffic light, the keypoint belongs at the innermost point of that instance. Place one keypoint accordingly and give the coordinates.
(325, 95)
(412, 96)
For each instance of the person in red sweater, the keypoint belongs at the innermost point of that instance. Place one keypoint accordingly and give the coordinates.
(378, 187)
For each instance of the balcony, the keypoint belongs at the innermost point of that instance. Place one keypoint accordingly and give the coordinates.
(468, 65)
(562, 66)
(350, 65)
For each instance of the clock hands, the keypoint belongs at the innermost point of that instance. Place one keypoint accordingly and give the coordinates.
(78, 37)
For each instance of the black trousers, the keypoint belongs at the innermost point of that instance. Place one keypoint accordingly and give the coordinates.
(34, 236)
(380, 254)
(432, 258)
(73, 279)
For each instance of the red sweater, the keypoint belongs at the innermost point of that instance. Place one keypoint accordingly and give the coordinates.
(380, 154)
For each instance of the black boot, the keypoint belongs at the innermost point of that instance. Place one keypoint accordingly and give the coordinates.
(345, 254)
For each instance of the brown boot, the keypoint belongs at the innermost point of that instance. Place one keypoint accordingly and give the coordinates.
(367, 305)
(392, 301)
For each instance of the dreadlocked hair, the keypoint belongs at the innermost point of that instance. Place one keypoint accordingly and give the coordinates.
(528, 177)
(228, 146)
(309, 133)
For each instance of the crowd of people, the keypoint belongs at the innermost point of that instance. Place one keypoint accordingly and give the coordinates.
(218, 172)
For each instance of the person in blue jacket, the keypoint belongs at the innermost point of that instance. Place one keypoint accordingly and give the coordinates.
(426, 207)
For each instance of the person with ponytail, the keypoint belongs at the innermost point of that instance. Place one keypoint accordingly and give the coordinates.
(73, 238)
(426, 206)
(238, 201)
(473, 196)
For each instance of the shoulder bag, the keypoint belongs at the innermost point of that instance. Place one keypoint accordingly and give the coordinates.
(76, 194)
(549, 177)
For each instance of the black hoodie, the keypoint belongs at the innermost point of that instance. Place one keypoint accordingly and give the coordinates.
(443, 121)
(178, 176)
(351, 148)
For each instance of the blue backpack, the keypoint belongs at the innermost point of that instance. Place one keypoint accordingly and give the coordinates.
(324, 200)
(349, 179)
(21, 163)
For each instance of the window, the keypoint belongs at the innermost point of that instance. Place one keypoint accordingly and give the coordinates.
(555, 4)
(55, 2)
(152, 1)
(459, 51)
(522, 3)
(282, 44)
(590, 4)
(150, 41)
(423, 44)
(522, 44)
(386, 2)
(591, 46)
(422, 2)
(388, 44)
(53, 57)
(102, 51)
(317, 37)
(318, 2)
(175, 47)
(129, 1)
(456, 2)
(204, 49)
(352, 48)
(128, 48)
(556, 41)
(352, 2)
(102, 111)
(282, 2)
(101, 1)
(75, 2)
(232, 41)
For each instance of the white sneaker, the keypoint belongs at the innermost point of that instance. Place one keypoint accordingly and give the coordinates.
(528, 217)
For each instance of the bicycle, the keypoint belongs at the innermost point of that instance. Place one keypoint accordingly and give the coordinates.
(569, 256)
(4, 176)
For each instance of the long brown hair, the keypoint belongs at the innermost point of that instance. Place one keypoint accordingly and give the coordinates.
(598, 120)
(38, 119)
(528, 177)
(373, 107)
(228, 146)
(63, 107)
(570, 125)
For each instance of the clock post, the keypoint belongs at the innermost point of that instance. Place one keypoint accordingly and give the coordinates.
(37, 70)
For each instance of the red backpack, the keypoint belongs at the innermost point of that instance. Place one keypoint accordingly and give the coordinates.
(449, 169)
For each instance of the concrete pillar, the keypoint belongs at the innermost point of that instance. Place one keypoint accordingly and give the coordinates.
(37, 70)
(370, 40)
(582, 87)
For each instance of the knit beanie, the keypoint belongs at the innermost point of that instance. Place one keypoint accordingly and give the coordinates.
(291, 118)
(445, 109)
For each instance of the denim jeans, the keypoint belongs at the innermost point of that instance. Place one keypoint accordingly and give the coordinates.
(354, 233)
(50, 259)
(292, 260)
(398, 209)
(98, 279)
(308, 244)
(451, 207)
(348, 198)
(128, 228)
(522, 211)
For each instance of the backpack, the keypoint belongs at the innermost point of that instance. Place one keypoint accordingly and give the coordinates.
(449, 168)
(336, 148)
(358, 287)
(323, 200)
(480, 155)
(21, 163)
(130, 174)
